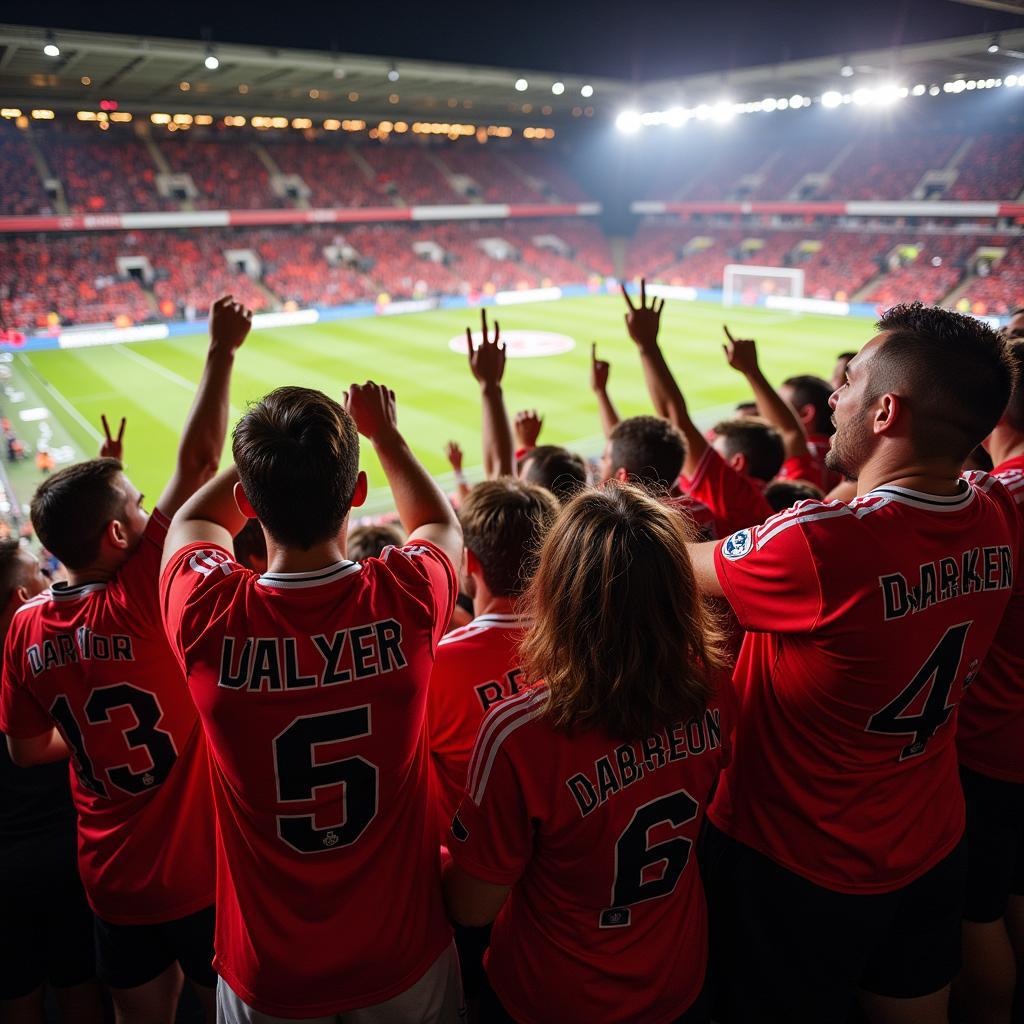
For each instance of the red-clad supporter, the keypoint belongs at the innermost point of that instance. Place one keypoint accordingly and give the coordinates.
(792, 163)
(995, 293)
(192, 269)
(931, 276)
(844, 263)
(408, 175)
(883, 168)
(311, 685)
(503, 523)
(548, 174)
(993, 168)
(494, 178)
(141, 779)
(103, 171)
(809, 397)
(865, 622)
(47, 936)
(21, 188)
(333, 176)
(579, 786)
(990, 744)
(228, 175)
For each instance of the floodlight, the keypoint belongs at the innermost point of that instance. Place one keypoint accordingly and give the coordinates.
(993, 47)
(769, 103)
(831, 98)
(521, 85)
(393, 75)
(846, 71)
(628, 122)
(51, 49)
(918, 90)
(558, 88)
(211, 62)
(675, 117)
(587, 91)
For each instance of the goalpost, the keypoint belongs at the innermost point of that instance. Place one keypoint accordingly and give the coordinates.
(746, 285)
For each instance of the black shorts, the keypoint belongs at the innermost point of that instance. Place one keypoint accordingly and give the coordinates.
(46, 929)
(129, 955)
(785, 949)
(995, 845)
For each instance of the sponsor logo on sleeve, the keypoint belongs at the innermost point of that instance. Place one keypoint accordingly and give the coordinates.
(739, 544)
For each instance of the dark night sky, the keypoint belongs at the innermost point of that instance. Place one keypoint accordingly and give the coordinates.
(641, 39)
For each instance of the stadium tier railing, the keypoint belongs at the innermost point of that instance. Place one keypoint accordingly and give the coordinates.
(838, 208)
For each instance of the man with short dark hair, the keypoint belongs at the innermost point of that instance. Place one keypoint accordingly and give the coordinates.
(47, 932)
(88, 672)
(836, 859)
(311, 684)
(558, 470)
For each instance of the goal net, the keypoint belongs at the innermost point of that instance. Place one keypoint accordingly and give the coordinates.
(746, 285)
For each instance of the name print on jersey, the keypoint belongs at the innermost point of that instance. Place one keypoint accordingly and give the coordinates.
(978, 569)
(272, 663)
(628, 762)
(83, 645)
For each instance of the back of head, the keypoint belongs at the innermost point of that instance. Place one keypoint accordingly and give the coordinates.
(10, 570)
(954, 372)
(755, 439)
(504, 523)
(649, 449)
(370, 541)
(783, 494)
(1015, 407)
(71, 509)
(620, 632)
(562, 472)
(297, 453)
(807, 389)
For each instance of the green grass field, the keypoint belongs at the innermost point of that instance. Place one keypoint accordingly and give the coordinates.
(152, 383)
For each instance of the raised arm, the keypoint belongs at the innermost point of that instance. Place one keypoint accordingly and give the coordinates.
(527, 426)
(112, 447)
(425, 512)
(487, 362)
(454, 454)
(642, 323)
(741, 354)
(202, 437)
(599, 371)
(211, 515)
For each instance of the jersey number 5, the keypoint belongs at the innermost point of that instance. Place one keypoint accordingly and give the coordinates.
(159, 745)
(300, 773)
(634, 857)
(936, 676)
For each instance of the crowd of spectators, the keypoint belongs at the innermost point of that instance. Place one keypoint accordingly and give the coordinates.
(993, 168)
(21, 189)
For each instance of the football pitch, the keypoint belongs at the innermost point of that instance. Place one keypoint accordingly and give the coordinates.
(152, 383)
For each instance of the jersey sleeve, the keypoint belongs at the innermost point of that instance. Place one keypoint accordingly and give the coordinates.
(803, 467)
(735, 500)
(198, 586)
(21, 715)
(770, 575)
(427, 576)
(492, 839)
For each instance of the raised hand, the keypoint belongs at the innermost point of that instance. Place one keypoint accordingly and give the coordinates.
(527, 426)
(740, 353)
(487, 361)
(230, 322)
(454, 453)
(643, 321)
(599, 370)
(372, 406)
(112, 447)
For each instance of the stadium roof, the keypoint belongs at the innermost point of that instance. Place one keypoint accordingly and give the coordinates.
(150, 74)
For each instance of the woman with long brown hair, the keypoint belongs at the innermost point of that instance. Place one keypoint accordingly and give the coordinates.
(585, 793)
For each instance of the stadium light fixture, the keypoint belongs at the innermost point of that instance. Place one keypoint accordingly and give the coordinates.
(782, 103)
(522, 85)
(769, 103)
(934, 90)
(1010, 80)
(723, 111)
(831, 99)
(676, 117)
(628, 122)
(587, 91)
(51, 49)
(993, 47)
(846, 71)
(393, 74)
(918, 90)
(211, 63)
(558, 88)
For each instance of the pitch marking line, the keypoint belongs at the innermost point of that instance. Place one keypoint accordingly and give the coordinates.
(58, 397)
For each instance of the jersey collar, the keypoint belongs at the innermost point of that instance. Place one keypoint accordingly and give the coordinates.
(923, 500)
(314, 578)
(500, 619)
(63, 592)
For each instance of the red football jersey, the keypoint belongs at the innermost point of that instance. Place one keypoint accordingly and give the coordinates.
(312, 689)
(735, 499)
(699, 515)
(94, 661)
(866, 622)
(476, 667)
(990, 733)
(606, 920)
(812, 467)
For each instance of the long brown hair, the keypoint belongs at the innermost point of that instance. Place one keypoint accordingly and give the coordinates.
(620, 633)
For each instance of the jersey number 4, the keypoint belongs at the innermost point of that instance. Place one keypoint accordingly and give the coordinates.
(663, 863)
(300, 773)
(158, 744)
(936, 677)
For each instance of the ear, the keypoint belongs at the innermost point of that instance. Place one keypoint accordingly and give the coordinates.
(621, 475)
(807, 414)
(243, 502)
(21, 595)
(887, 412)
(362, 486)
(739, 462)
(115, 534)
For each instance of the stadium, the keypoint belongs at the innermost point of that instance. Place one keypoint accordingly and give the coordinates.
(534, 252)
